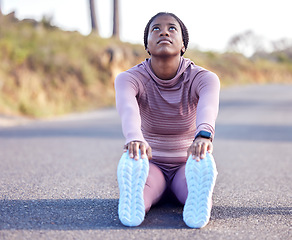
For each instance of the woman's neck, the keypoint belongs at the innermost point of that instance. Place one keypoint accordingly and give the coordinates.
(165, 68)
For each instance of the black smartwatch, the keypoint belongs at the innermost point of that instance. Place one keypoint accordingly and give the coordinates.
(204, 134)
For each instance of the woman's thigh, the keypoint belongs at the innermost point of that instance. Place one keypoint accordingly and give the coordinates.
(154, 187)
(179, 185)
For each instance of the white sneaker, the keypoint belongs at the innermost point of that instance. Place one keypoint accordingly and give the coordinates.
(201, 177)
(132, 175)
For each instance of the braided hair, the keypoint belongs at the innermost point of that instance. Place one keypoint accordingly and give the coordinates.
(184, 30)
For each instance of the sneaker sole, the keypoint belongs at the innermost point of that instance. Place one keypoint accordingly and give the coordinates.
(132, 175)
(201, 177)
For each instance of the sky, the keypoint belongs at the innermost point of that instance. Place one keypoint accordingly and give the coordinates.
(211, 23)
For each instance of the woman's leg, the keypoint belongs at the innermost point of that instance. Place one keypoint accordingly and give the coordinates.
(179, 185)
(154, 187)
(201, 178)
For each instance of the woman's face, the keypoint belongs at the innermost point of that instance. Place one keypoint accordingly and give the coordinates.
(165, 37)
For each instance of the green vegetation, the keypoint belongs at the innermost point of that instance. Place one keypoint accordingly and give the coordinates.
(234, 68)
(45, 71)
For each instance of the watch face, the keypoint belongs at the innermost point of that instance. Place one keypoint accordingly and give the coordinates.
(204, 134)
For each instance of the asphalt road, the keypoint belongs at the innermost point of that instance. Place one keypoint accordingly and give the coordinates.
(58, 178)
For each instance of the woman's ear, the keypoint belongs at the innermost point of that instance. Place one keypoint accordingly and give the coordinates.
(183, 49)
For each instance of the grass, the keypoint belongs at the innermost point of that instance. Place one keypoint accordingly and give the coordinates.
(45, 71)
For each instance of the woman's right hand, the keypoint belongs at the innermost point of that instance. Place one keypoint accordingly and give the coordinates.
(133, 148)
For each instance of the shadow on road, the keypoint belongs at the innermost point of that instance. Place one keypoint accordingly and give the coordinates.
(225, 212)
(86, 214)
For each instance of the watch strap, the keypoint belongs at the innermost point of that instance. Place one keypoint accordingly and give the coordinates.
(204, 134)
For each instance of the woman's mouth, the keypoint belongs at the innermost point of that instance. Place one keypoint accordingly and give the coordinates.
(164, 41)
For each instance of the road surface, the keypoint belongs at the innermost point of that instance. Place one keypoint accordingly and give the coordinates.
(58, 178)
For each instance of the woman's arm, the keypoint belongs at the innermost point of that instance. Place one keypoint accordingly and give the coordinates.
(126, 102)
(207, 90)
(208, 105)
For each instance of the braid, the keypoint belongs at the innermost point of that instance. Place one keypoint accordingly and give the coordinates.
(184, 30)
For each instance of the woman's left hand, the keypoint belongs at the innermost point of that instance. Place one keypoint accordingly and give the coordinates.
(199, 148)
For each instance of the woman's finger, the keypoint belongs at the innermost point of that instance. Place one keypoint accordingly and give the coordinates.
(210, 148)
(143, 150)
(125, 148)
(149, 153)
(203, 150)
(130, 148)
(198, 146)
(191, 151)
(136, 150)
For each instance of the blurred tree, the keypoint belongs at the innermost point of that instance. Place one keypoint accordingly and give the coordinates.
(246, 43)
(282, 44)
(282, 49)
(116, 20)
(94, 25)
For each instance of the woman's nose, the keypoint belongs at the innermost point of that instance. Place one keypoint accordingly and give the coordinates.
(164, 32)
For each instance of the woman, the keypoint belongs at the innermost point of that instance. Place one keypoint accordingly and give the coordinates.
(168, 107)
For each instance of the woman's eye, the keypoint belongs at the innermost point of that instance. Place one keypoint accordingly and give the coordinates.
(172, 28)
(155, 29)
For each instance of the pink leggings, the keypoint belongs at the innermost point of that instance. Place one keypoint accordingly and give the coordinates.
(163, 176)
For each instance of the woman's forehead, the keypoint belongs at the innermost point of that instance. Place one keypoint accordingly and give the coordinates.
(165, 18)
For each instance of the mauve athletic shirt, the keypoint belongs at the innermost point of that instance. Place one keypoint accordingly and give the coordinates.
(167, 114)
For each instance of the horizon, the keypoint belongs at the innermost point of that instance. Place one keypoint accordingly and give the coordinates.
(221, 23)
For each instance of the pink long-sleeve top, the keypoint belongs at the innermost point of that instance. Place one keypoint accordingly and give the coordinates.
(167, 114)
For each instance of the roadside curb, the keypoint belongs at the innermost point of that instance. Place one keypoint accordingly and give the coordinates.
(11, 121)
